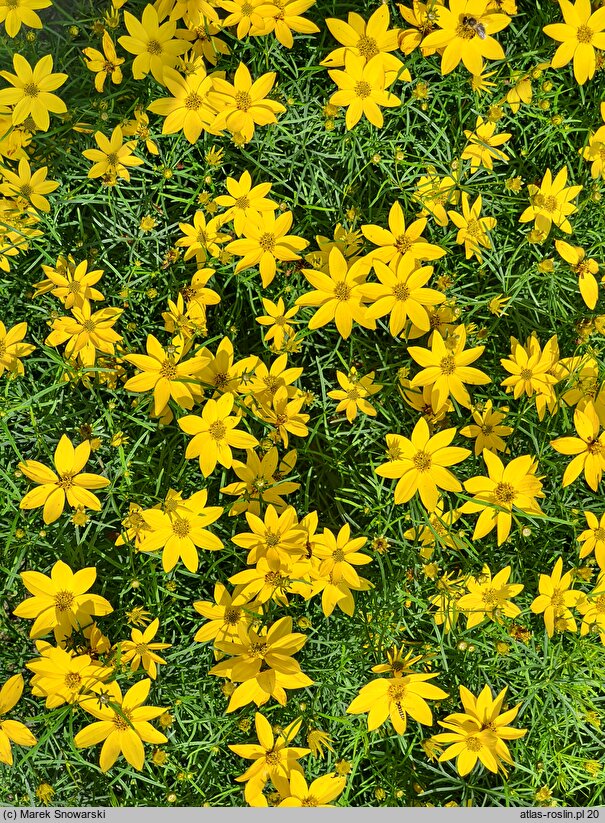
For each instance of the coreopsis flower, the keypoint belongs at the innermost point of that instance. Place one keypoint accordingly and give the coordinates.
(105, 64)
(265, 241)
(73, 284)
(113, 157)
(319, 794)
(12, 348)
(593, 538)
(446, 368)
(449, 591)
(180, 533)
(244, 104)
(68, 483)
(423, 19)
(86, 333)
(514, 485)
(419, 464)
(141, 651)
(272, 757)
(64, 677)
(202, 239)
(472, 228)
(353, 394)
(153, 43)
(285, 415)
(555, 599)
(226, 614)
(482, 145)
(582, 32)
(264, 382)
(489, 597)
(479, 733)
(197, 296)
(273, 581)
(167, 375)
(62, 601)
(12, 730)
(282, 17)
(349, 242)
(27, 186)
(122, 722)
(395, 698)
(17, 13)
(402, 294)
(134, 526)
(214, 434)
(595, 150)
(277, 317)
(487, 430)
(530, 368)
(362, 89)
(434, 193)
(222, 373)
(400, 241)
(188, 110)
(551, 203)
(261, 481)
(339, 554)
(338, 295)
(202, 36)
(465, 34)
(439, 529)
(279, 537)
(244, 200)
(588, 448)
(31, 95)
(592, 608)
(245, 15)
(193, 11)
(584, 267)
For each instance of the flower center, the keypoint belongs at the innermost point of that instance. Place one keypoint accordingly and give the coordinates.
(487, 429)
(246, 10)
(73, 681)
(490, 597)
(113, 159)
(422, 461)
(217, 430)
(401, 292)
(584, 34)
(594, 447)
(526, 374)
(367, 47)
(73, 287)
(272, 539)
(448, 364)
(473, 744)
(243, 101)
(342, 292)
(64, 601)
(267, 241)
(193, 101)
(88, 326)
(181, 527)
(232, 616)
(550, 203)
(396, 692)
(65, 481)
(362, 89)
(309, 801)
(339, 556)
(353, 394)
(121, 723)
(599, 534)
(168, 370)
(154, 47)
(504, 493)
(258, 649)
(31, 90)
(403, 244)
(473, 228)
(600, 604)
(272, 758)
(242, 202)
(557, 599)
(26, 190)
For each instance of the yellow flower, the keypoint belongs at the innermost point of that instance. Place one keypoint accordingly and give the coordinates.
(104, 64)
(70, 483)
(12, 348)
(188, 110)
(86, 333)
(595, 150)
(353, 393)
(592, 608)
(465, 33)
(45, 793)
(31, 95)
(140, 651)
(282, 17)
(64, 677)
(72, 284)
(113, 157)
(246, 16)
(494, 496)
(497, 305)
(10, 693)
(225, 615)
(276, 318)
(488, 430)
(489, 597)
(423, 18)
(551, 203)
(261, 481)
(482, 145)
(420, 464)
(154, 44)
(17, 13)
(319, 794)
(244, 201)
(265, 241)
(362, 89)
(580, 34)
(588, 448)
(593, 538)
(30, 187)
(584, 267)
(138, 616)
(214, 434)
(555, 598)
(339, 554)
(122, 724)
(472, 228)
(279, 537)
(316, 740)
(202, 239)
(62, 601)
(244, 104)
(530, 368)
(434, 193)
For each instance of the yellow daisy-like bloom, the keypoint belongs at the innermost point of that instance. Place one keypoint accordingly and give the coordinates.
(62, 601)
(593, 538)
(122, 724)
(17, 13)
(141, 651)
(339, 294)
(584, 267)
(582, 32)
(30, 187)
(318, 794)
(154, 44)
(86, 333)
(488, 431)
(420, 464)
(214, 434)
(434, 193)
(399, 242)
(530, 368)
(465, 34)
(261, 481)
(482, 145)
(362, 89)
(265, 241)
(226, 614)
(595, 150)
(182, 532)
(188, 110)
(423, 19)
(64, 677)
(105, 64)
(494, 496)
(69, 482)
(446, 367)
(279, 537)
(31, 95)
(246, 16)
(592, 608)
(339, 555)
(72, 284)
(353, 393)
(244, 200)
(202, 239)
(277, 318)
(282, 17)
(12, 730)
(555, 599)
(244, 104)
(113, 157)
(12, 348)
(489, 597)
(588, 448)
(472, 228)
(395, 698)
(551, 203)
